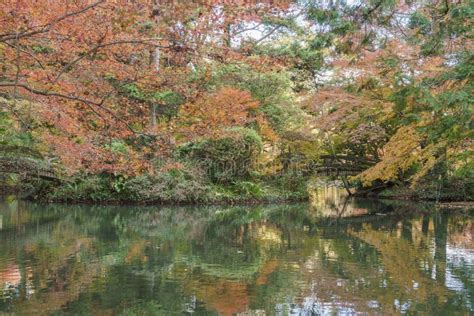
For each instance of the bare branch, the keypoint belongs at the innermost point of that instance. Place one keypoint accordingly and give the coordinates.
(89, 103)
(47, 27)
(99, 46)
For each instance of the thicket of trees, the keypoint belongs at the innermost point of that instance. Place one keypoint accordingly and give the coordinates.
(171, 100)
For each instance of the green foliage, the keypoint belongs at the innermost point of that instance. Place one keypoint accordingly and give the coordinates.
(168, 98)
(146, 308)
(10, 134)
(276, 115)
(227, 158)
(331, 18)
(168, 101)
(289, 186)
(39, 49)
(435, 30)
(174, 185)
(134, 92)
(452, 108)
(118, 146)
(248, 189)
(306, 56)
(460, 189)
(420, 22)
(92, 188)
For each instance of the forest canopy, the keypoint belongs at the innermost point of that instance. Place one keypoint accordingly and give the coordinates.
(199, 101)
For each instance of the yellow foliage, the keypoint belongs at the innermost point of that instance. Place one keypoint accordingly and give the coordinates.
(427, 161)
(400, 153)
(265, 129)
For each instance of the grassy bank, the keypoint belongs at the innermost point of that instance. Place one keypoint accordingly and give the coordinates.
(181, 188)
(168, 188)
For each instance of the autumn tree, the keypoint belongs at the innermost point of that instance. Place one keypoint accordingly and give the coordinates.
(97, 73)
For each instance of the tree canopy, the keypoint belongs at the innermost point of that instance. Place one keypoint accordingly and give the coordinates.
(120, 89)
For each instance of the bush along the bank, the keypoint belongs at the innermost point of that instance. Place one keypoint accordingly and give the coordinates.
(173, 186)
(225, 159)
(219, 170)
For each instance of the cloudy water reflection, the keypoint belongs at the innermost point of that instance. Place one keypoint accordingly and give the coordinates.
(335, 255)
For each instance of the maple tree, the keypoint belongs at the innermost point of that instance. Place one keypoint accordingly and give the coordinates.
(96, 66)
(118, 89)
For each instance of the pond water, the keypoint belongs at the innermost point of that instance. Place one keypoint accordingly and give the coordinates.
(333, 256)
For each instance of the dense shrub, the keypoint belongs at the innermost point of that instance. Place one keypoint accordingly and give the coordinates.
(228, 158)
(185, 184)
(174, 185)
(83, 188)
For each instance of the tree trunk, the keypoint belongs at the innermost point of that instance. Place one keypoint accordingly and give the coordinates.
(155, 52)
(153, 115)
(155, 58)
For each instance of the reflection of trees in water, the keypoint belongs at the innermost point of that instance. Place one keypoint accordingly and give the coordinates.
(413, 252)
(333, 201)
(401, 261)
(111, 258)
(461, 232)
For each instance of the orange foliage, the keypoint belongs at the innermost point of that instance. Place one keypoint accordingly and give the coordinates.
(73, 60)
(333, 107)
(213, 113)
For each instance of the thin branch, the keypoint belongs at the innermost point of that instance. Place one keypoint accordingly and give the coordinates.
(29, 54)
(18, 69)
(89, 103)
(373, 9)
(268, 34)
(240, 31)
(276, 28)
(47, 27)
(98, 46)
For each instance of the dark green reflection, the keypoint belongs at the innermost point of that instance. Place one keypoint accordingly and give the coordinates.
(342, 256)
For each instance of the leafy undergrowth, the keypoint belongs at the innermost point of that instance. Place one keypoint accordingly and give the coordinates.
(173, 187)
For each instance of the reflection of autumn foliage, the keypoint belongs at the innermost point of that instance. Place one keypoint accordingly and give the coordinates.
(9, 275)
(398, 258)
(267, 257)
(228, 297)
(135, 252)
(225, 297)
(462, 234)
(59, 288)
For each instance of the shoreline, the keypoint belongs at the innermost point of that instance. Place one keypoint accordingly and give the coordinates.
(243, 202)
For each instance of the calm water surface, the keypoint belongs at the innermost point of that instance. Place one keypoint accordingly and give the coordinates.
(335, 256)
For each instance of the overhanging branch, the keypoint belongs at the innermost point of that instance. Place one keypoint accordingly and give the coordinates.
(47, 27)
(88, 103)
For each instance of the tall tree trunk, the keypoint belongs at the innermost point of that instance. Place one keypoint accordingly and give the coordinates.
(155, 53)
(153, 115)
(227, 37)
(155, 57)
